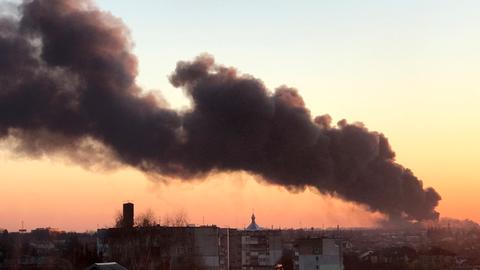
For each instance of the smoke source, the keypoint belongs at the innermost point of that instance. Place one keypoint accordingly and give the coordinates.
(67, 79)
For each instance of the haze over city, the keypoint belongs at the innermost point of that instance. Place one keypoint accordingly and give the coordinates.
(406, 70)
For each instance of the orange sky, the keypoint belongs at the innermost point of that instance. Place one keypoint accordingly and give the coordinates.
(58, 194)
(46, 193)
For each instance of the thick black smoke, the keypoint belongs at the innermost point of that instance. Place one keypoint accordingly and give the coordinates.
(67, 75)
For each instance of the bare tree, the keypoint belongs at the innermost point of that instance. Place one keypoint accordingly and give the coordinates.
(177, 219)
(118, 219)
(180, 218)
(146, 219)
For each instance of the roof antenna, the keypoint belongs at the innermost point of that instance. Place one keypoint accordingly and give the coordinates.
(22, 230)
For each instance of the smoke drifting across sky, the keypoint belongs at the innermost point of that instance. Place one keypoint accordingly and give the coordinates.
(67, 83)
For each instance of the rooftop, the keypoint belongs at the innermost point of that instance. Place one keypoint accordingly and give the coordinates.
(106, 266)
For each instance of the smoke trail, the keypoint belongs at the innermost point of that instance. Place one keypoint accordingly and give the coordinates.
(67, 77)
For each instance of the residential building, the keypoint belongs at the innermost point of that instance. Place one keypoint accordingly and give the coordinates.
(318, 254)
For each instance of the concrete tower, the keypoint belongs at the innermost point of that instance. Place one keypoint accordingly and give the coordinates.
(128, 215)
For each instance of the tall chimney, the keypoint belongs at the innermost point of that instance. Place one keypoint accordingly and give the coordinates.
(128, 215)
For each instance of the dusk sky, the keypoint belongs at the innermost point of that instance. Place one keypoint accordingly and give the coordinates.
(407, 69)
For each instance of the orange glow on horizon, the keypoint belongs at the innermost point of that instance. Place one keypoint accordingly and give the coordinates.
(55, 194)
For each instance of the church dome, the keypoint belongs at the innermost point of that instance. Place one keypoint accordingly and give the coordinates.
(253, 225)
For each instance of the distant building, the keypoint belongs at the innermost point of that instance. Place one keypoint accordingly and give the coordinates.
(261, 249)
(46, 249)
(253, 226)
(436, 258)
(390, 255)
(44, 234)
(318, 254)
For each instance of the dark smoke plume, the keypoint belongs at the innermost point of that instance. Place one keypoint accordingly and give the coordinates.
(67, 78)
